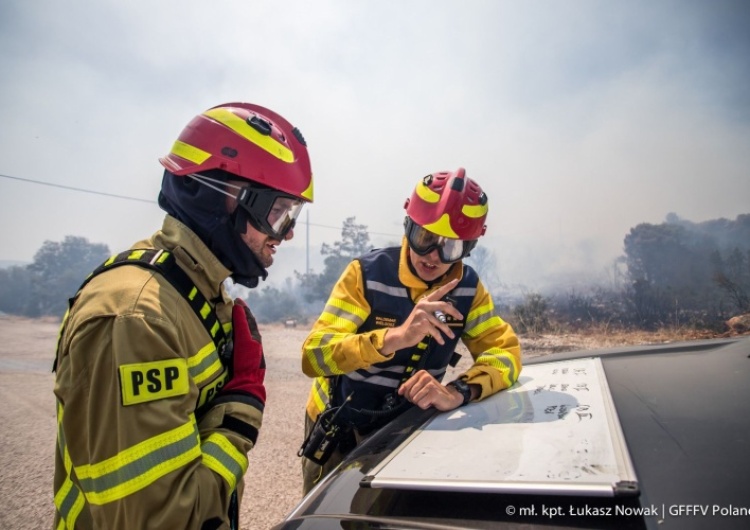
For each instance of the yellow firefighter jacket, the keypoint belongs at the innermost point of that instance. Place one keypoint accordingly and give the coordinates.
(336, 345)
(133, 363)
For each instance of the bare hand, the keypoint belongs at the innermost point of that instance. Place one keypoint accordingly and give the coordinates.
(425, 391)
(422, 322)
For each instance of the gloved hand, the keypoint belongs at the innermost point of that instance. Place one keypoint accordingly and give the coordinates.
(248, 369)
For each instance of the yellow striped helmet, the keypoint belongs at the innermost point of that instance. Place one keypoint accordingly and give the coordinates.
(248, 141)
(450, 205)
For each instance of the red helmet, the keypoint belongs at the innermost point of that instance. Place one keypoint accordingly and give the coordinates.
(249, 141)
(449, 205)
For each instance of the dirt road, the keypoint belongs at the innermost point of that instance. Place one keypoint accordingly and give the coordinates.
(27, 437)
(273, 481)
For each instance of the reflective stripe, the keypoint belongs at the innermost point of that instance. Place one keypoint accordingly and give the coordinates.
(321, 359)
(503, 361)
(442, 227)
(399, 292)
(320, 392)
(69, 500)
(189, 152)
(389, 376)
(437, 373)
(475, 211)
(139, 466)
(481, 319)
(223, 458)
(369, 376)
(376, 380)
(393, 368)
(266, 142)
(426, 194)
(464, 291)
(204, 364)
(343, 315)
(320, 355)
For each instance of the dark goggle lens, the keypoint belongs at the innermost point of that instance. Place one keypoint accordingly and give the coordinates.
(423, 242)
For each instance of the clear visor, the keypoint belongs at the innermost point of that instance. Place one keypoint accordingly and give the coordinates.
(271, 211)
(423, 242)
(283, 213)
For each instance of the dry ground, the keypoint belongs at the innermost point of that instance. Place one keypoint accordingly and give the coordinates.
(27, 416)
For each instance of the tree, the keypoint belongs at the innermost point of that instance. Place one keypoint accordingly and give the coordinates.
(732, 275)
(670, 272)
(355, 241)
(15, 289)
(274, 305)
(59, 269)
(483, 261)
(532, 315)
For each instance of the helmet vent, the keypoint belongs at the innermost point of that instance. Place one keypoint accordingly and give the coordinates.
(229, 152)
(457, 185)
(298, 135)
(260, 125)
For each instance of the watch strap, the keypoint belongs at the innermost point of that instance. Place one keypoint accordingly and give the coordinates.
(463, 389)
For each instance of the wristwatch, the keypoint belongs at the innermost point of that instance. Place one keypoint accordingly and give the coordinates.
(463, 389)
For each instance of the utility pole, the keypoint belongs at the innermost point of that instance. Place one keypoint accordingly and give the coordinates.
(307, 244)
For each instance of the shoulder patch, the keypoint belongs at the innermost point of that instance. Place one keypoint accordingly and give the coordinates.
(143, 382)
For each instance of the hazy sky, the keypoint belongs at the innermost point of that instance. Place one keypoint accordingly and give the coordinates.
(580, 119)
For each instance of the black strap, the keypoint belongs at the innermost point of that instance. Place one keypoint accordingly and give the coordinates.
(165, 263)
(421, 354)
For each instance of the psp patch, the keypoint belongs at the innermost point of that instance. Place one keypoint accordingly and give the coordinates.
(143, 382)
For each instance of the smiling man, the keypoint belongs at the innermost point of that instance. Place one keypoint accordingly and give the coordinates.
(160, 374)
(388, 332)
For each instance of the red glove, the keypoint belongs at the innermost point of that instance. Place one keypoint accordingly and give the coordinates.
(248, 363)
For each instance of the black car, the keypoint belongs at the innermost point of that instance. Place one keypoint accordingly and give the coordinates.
(643, 437)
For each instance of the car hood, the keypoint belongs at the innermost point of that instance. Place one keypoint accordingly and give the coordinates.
(684, 410)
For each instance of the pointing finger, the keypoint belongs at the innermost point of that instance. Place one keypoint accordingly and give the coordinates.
(442, 291)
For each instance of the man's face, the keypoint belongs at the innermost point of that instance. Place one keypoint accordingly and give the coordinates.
(428, 267)
(262, 245)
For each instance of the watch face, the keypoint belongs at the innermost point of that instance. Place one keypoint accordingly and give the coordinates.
(463, 387)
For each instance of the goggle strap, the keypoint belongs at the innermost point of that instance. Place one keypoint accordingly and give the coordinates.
(206, 181)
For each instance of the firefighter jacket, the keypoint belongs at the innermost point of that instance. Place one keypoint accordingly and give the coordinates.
(134, 362)
(378, 291)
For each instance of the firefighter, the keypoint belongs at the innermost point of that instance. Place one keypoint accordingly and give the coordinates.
(388, 331)
(159, 373)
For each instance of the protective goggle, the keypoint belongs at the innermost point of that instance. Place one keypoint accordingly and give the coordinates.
(270, 211)
(422, 241)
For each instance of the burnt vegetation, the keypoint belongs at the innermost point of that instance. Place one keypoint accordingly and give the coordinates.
(677, 274)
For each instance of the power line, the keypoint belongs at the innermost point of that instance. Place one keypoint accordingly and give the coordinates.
(117, 196)
(83, 190)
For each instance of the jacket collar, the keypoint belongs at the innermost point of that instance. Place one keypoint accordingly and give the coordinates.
(203, 267)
